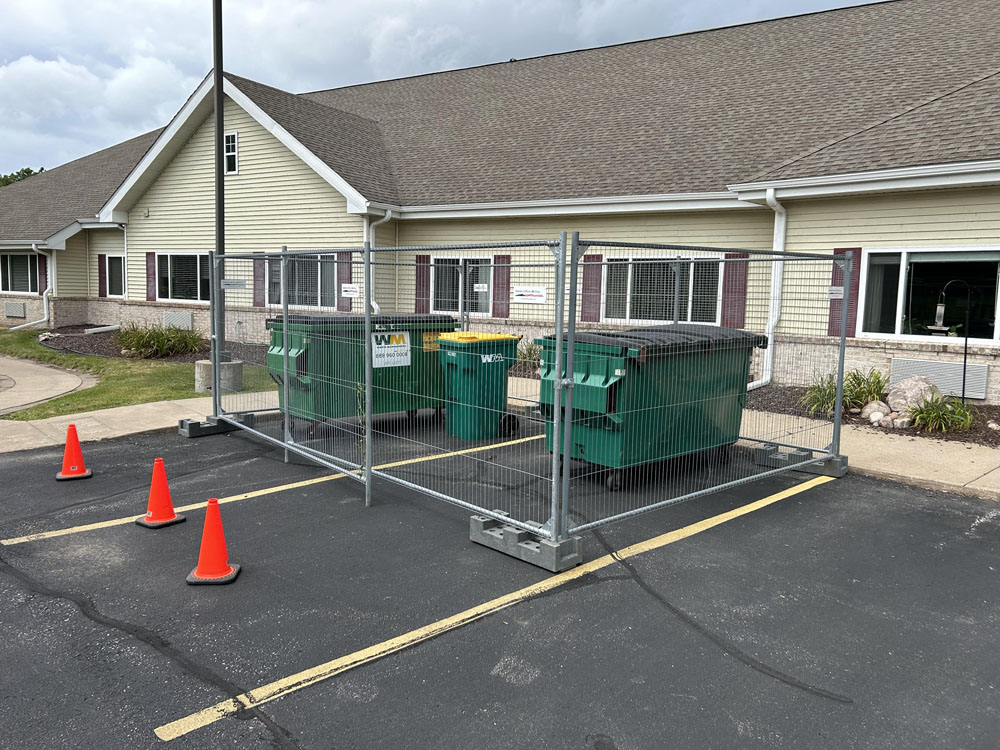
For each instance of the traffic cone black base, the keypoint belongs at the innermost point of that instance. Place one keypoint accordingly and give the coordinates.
(228, 578)
(159, 524)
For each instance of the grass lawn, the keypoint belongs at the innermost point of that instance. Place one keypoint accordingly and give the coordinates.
(122, 382)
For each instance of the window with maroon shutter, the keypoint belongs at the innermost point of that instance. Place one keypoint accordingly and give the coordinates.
(422, 296)
(590, 294)
(151, 277)
(343, 277)
(102, 275)
(837, 305)
(501, 286)
(43, 274)
(734, 290)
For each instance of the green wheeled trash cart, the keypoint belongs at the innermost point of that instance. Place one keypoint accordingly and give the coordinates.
(326, 364)
(475, 369)
(650, 394)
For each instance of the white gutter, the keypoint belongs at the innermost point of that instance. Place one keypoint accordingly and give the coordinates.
(49, 285)
(777, 277)
(371, 239)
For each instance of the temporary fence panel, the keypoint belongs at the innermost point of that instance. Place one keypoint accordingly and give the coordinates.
(552, 386)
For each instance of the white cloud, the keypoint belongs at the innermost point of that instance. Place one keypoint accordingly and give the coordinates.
(79, 76)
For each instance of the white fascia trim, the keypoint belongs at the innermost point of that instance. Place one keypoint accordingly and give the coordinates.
(116, 210)
(570, 206)
(58, 240)
(21, 244)
(904, 178)
(356, 202)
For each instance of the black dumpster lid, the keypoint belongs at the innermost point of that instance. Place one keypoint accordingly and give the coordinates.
(675, 338)
(359, 320)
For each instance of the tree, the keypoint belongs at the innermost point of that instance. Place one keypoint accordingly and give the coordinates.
(8, 179)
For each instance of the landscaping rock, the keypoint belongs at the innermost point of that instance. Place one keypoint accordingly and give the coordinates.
(886, 422)
(910, 392)
(993, 425)
(854, 410)
(874, 406)
(902, 423)
(876, 416)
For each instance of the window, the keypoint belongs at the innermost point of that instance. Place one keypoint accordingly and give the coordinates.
(311, 281)
(19, 273)
(181, 277)
(230, 140)
(476, 285)
(115, 275)
(646, 289)
(901, 290)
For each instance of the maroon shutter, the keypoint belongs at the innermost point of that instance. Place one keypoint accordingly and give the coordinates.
(837, 305)
(151, 277)
(102, 275)
(734, 290)
(501, 286)
(43, 274)
(343, 277)
(422, 303)
(259, 281)
(590, 297)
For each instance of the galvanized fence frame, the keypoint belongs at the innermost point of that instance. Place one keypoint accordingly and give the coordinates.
(562, 273)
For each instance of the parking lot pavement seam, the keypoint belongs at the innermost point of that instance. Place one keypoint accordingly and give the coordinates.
(319, 673)
(727, 646)
(88, 609)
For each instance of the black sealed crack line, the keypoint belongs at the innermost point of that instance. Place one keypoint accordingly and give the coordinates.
(718, 640)
(282, 737)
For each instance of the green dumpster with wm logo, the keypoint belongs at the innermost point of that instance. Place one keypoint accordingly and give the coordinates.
(326, 364)
(475, 369)
(650, 394)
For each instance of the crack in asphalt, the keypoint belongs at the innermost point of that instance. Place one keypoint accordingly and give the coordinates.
(282, 738)
(727, 646)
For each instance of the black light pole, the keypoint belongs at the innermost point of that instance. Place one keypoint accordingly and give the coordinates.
(220, 190)
(939, 320)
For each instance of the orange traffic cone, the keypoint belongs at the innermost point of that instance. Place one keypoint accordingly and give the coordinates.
(159, 509)
(73, 466)
(213, 561)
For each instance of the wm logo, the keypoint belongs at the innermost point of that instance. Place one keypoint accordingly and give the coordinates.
(390, 339)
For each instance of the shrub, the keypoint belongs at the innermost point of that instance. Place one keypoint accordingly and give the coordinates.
(941, 414)
(154, 342)
(861, 388)
(821, 396)
(529, 358)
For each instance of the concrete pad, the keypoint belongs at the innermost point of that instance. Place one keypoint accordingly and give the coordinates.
(32, 383)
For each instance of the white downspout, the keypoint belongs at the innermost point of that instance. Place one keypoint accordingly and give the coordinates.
(777, 277)
(371, 239)
(49, 285)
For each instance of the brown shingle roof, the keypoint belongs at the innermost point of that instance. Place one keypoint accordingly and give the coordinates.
(686, 113)
(38, 207)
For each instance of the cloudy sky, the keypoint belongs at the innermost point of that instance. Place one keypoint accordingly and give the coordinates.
(80, 75)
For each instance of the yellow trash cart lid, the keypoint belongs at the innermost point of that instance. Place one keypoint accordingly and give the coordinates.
(469, 337)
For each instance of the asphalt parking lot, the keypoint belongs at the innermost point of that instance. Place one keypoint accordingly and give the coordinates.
(854, 613)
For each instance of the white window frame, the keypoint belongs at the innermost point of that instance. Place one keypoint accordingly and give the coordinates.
(627, 320)
(461, 258)
(202, 257)
(107, 276)
(904, 253)
(319, 287)
(235, 152)
(4, 258)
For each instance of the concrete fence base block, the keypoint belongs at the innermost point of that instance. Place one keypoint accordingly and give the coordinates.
(552, 556)
(230, 376)
(192, 428)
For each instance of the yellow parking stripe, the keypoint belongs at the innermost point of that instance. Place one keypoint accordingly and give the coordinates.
(256, 493)
(305, 678)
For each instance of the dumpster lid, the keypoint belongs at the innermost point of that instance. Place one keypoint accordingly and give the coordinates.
(359, 320)
(470, 337)
(679, 337)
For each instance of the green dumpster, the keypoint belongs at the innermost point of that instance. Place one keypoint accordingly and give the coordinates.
(326, 364)
(651, 394)
(475, 369)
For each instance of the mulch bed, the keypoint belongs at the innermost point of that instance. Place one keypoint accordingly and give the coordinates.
(781, 399)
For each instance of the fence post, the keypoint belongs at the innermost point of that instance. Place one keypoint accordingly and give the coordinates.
(287, 421)
(568, 383)
(845, 312)
(557, 530)
(367, 457)
(214, 300)
(677, 292)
